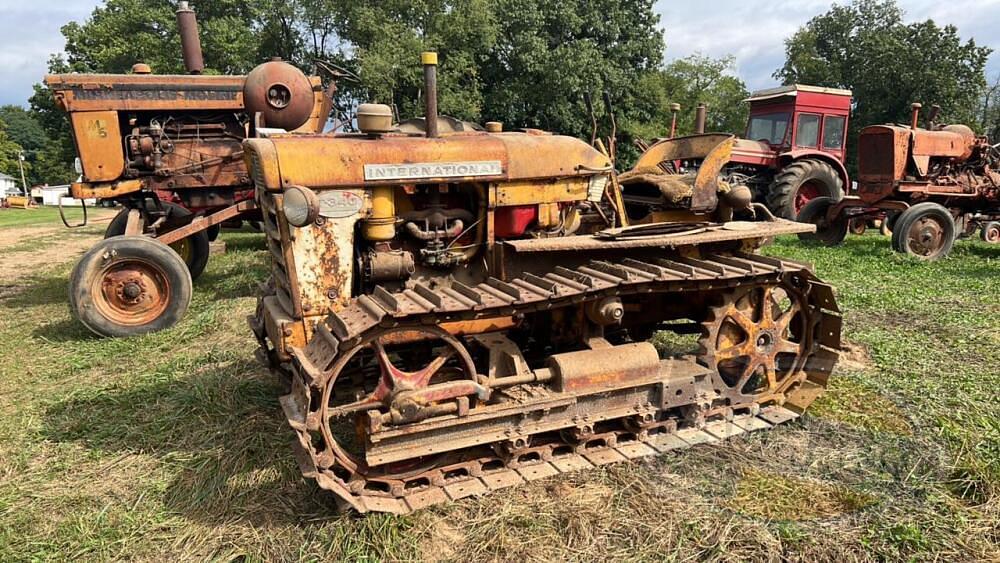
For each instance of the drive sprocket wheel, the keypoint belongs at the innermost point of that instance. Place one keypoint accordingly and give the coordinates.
(757, 342)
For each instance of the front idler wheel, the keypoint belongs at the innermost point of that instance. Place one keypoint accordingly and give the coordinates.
(829, 232)
(129, 285)
(925, 231)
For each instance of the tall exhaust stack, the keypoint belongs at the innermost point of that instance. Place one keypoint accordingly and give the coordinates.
(187, 24)
(701, 116)
(430, 61)
(915, 117)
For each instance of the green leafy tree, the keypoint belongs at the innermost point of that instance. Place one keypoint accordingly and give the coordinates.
(9, 151)
(41, 153)
(386, 39)
(23, 128)
(123, 32)
(688, 82)
(867, 47)
(549, 53)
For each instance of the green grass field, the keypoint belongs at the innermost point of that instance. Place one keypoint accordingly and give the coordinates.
(48, 216)
(173, 445)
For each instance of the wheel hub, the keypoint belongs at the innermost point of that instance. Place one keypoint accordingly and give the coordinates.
(132, 292)
(926, 237)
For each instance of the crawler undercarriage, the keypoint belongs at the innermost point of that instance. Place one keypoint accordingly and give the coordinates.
(412, 398)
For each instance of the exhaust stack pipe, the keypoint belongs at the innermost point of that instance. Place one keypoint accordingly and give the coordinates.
(674, 109)
(701, 116)
(915, 120)
(187, 24)
(430, 61)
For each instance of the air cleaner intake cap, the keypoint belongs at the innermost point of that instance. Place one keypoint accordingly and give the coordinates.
(374, 118)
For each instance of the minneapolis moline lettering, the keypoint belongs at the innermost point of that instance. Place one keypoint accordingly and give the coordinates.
(428, 170)
(155, 95)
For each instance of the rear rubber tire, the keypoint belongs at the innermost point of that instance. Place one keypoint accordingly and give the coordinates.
(153, 268)
(828, 233)
(990, 232)
(197, 258)
(908, 220)
(781, 197)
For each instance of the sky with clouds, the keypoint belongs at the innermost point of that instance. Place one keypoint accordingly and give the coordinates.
(753, 31)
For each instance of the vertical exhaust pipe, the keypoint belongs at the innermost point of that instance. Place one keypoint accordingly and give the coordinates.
(187, 24)
(430, 61)
(701, 116)
(674, 108)
(915, 120)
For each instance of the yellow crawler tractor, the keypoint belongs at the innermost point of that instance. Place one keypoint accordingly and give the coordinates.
(458, 312)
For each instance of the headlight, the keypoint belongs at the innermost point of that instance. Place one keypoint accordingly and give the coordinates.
(301, 206)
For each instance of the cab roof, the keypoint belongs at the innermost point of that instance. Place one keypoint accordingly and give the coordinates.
(793, 91)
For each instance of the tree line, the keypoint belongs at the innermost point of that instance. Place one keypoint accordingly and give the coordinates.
(526, 63)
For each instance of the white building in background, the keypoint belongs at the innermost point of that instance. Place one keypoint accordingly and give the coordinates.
(8, 182)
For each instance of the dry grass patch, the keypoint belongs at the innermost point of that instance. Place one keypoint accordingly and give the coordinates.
(849, 400)
(780, 497)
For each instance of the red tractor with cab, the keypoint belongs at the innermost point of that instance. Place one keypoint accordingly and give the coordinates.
(794, 147)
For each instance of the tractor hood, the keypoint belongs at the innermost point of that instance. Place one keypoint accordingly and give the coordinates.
(753, 152)
(358, 160)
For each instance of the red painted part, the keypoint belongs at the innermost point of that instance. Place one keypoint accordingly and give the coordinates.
(816, 103)
(511, 222)
(805, 194)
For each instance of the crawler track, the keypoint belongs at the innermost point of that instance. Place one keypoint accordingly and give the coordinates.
(645, 421)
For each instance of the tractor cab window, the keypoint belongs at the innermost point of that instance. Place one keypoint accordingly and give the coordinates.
(770, 128)
(807, 131)
(833, 132)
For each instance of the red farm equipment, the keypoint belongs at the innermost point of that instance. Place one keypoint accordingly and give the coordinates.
(794, 147)
(931, 186)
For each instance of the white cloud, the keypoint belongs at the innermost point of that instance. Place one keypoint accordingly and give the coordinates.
(753, 31)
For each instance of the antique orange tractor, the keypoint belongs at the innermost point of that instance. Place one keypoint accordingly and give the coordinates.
(168, 149)
(459, 311)
(794, 147)
(931, 184)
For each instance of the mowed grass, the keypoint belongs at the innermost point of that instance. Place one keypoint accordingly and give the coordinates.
(48, 216)
(173, 445)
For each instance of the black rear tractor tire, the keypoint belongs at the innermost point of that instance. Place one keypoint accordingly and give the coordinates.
(925, 231)
(990, 232)
(129, 285)
(800, 182)
(193, 250)
(828, 232)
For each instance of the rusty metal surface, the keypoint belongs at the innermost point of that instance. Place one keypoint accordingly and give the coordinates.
(201, 223)
(366, 480)
(521, 156)
(98, 139)
(187, 26)
(468, 311)
(904, 166)
(280, 93)
(716, 234)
